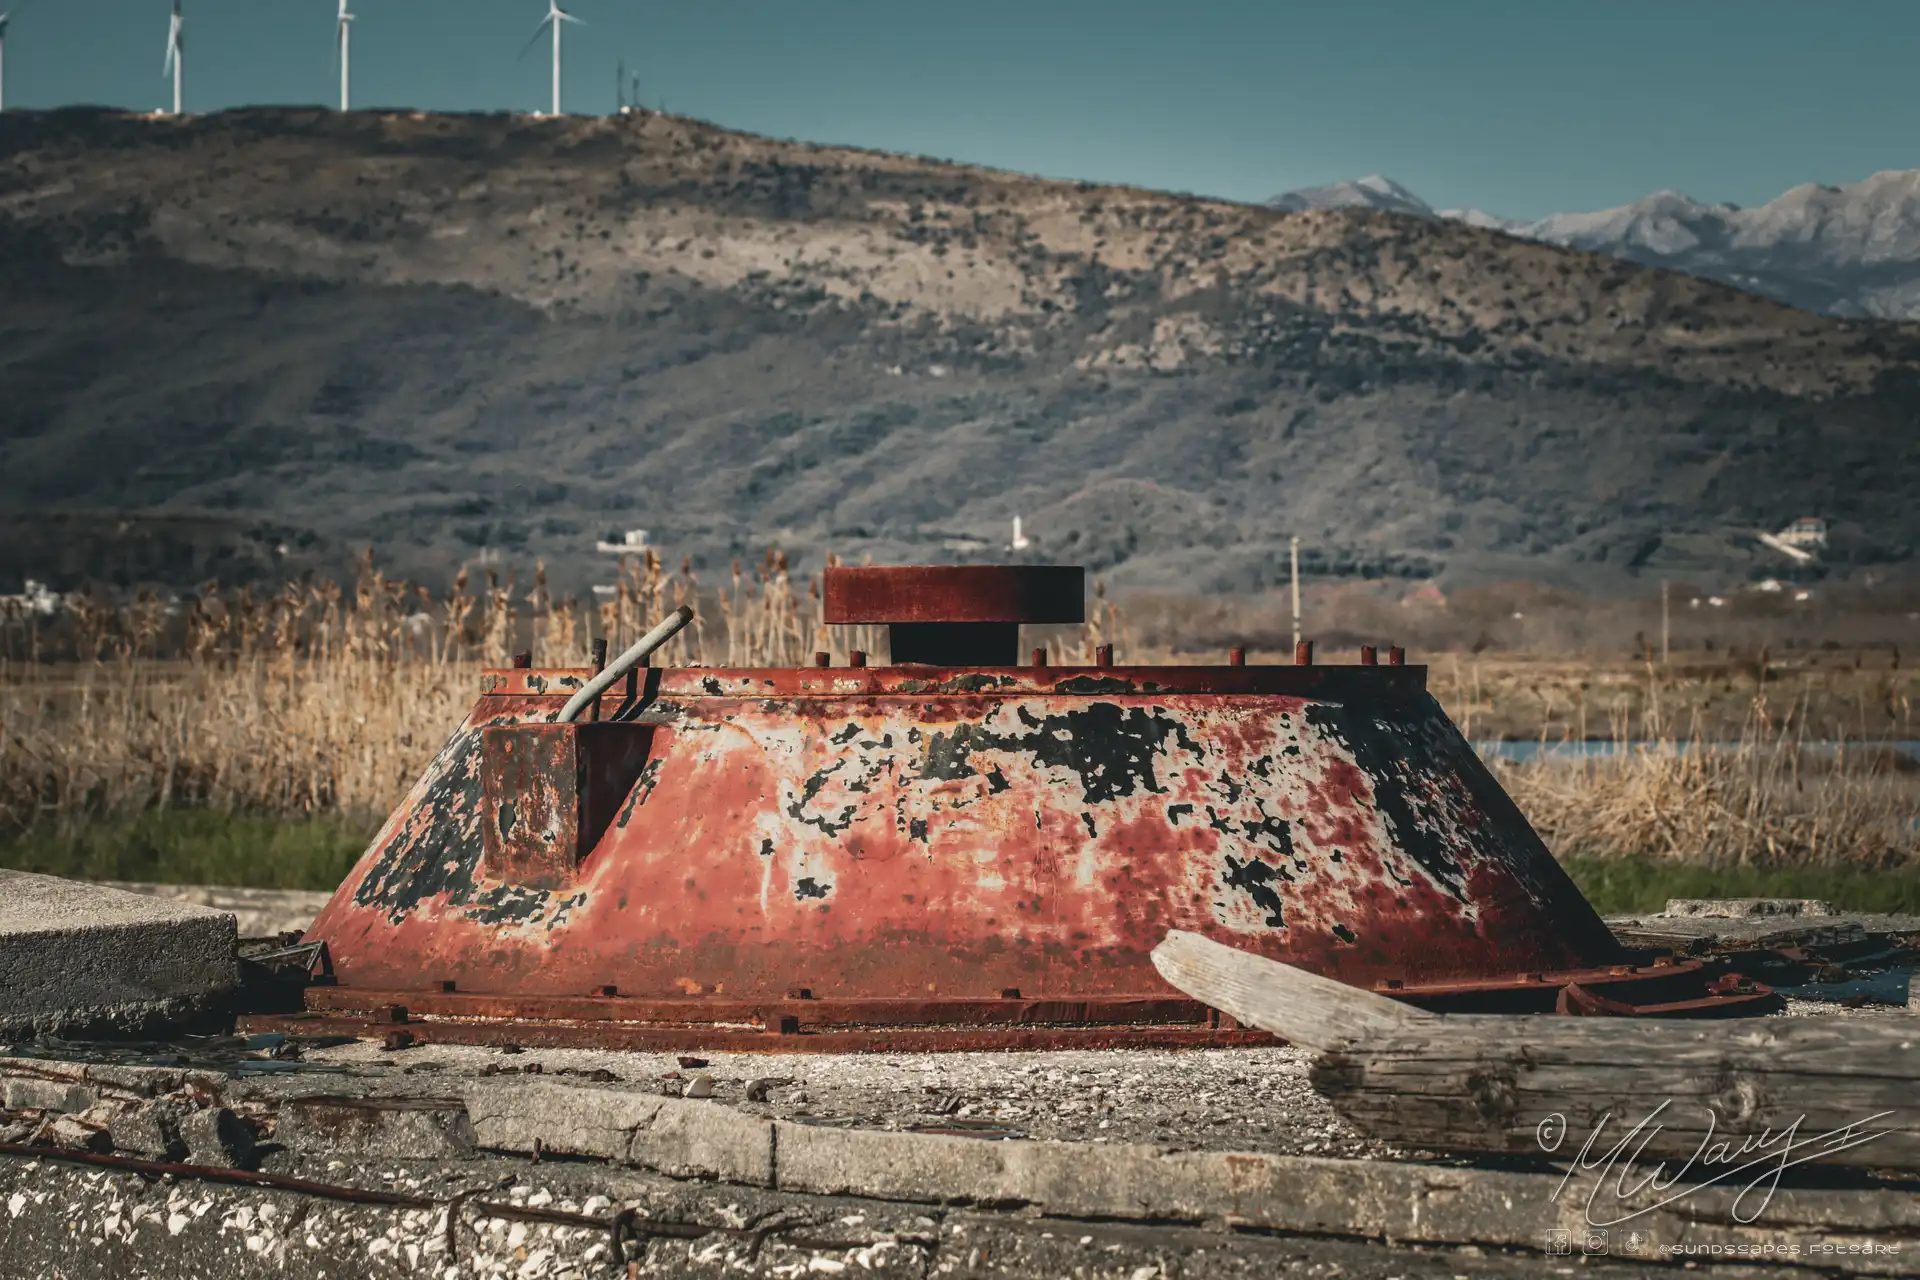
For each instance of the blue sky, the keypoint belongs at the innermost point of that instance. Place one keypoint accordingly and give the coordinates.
(1519, 108)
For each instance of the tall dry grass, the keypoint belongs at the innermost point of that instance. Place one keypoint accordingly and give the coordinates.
(1768, 799)
(327, 699)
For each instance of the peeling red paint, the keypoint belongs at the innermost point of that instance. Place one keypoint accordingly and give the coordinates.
(940, 835)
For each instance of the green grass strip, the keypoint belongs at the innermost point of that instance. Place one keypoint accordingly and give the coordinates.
(1621, 886)
(198, 846)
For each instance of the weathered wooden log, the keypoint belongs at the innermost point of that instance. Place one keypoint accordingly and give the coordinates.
(1724, 1093)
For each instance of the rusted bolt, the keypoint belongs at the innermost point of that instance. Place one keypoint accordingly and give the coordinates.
(789, 1025)
(1303, 654)
(446, 984)
(800, 993)
(1103, 655)
(1368, 658)
(397, 1040)
(522, 661)
(1009, 993)
(822, 659)
(609, 991)
(1039, 657)
(1396, 657)
(393, 1014)
(1236, 657)
(858, 658)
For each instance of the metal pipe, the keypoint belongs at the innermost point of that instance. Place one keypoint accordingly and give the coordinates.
(626, 662)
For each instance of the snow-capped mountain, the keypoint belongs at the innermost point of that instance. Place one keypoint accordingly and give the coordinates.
(1373, 192)
(1852, 250)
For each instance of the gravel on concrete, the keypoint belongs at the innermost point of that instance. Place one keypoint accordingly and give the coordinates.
(1182, 1099)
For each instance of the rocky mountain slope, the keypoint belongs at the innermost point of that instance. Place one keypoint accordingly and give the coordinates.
(440, 334)
(1852, 250)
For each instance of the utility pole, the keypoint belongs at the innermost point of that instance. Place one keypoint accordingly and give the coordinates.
(1666, 621)
(1294, 555)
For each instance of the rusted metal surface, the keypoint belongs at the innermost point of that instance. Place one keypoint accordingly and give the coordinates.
(955, 593)
(955, 856)
(1004, 1010)
(646, 1037)
(955, 615)
(1664, 988)
(552, 790)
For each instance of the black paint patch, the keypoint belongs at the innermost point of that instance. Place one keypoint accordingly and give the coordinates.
(997, 781)
(508, 812)
(1262, 768)
(1092, 831)
(712, 686)
(1228, 787)
(1175, 812)
(436, 847)
(1112, 750)
(806, 887)
(917, 829)
(1383, 756)
(508, 904)
(766, 846)
(1274, 834)
(642, 791)
(1256, 879)
(1094, 684)
(972, 683)
(1345, 934)
(846, 735)
(811, 788)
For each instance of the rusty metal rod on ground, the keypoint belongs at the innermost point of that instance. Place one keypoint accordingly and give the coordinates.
(626, 662)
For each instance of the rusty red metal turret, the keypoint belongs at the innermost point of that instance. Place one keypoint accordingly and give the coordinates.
(953, 850)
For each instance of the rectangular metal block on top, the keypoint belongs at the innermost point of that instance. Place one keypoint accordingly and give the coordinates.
(548, 793)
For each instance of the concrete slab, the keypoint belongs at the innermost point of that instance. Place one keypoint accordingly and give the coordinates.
(82, 959)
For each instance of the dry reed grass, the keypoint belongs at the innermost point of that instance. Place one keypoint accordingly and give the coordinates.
(1771, 797)
(323, 699)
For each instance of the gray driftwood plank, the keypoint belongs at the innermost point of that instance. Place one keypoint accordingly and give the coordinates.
(1824, 1090)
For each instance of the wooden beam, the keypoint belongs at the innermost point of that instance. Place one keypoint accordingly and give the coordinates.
(1543, 1085)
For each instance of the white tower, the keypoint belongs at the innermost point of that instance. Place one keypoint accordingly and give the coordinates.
(176, 42)
(343, 48)
(555, 16)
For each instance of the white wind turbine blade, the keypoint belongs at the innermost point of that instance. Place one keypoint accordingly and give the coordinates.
(538, 32)
(11, 14)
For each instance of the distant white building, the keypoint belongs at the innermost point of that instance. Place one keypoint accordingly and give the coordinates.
(628, 543)
(36, 598)
(1800, 540)
(1808, 533)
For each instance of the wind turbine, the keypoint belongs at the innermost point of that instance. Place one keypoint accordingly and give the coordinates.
(341, 49)
(175, 43)
(555, 16)
(5, 18)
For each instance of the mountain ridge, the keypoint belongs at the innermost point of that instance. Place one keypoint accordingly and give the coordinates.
(1851, 250)
(449, 333)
